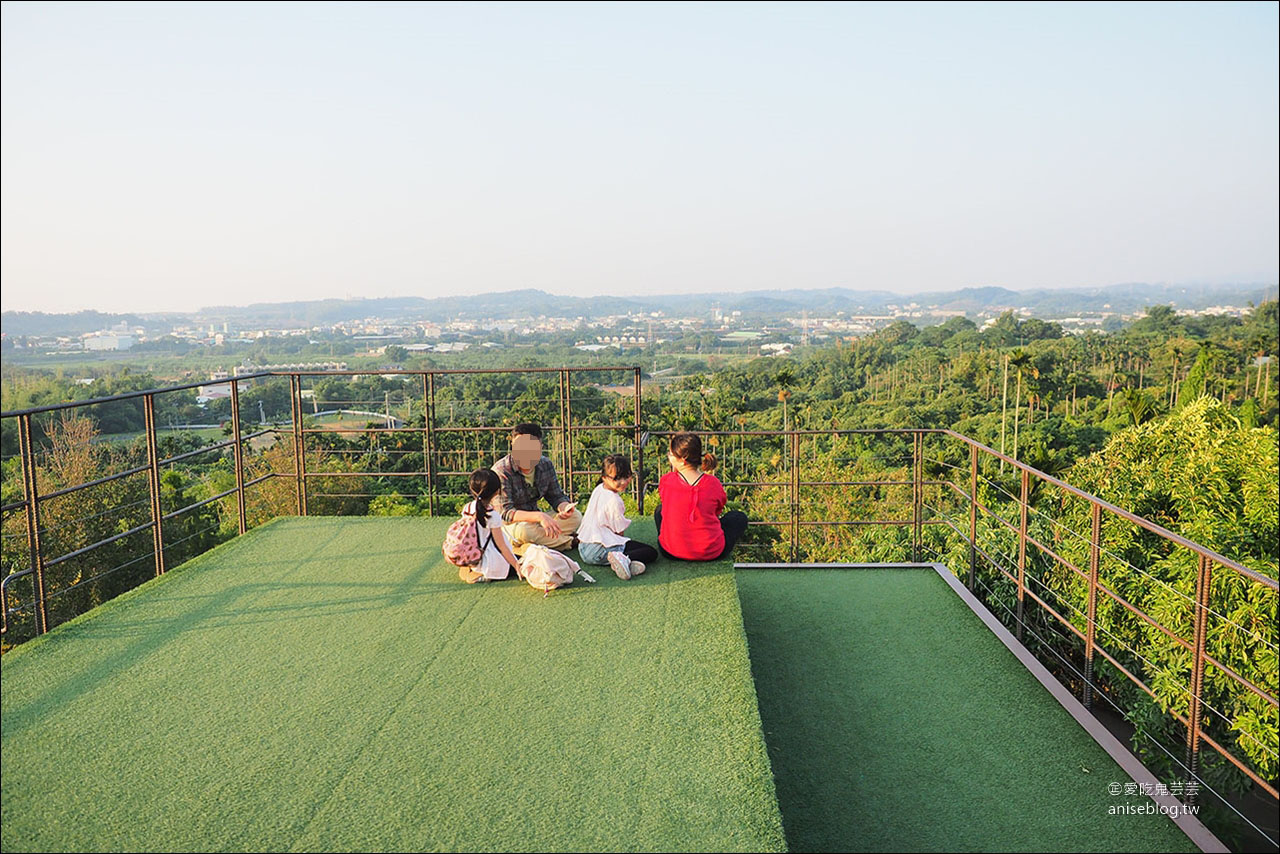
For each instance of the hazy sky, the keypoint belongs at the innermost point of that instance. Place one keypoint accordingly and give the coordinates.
(168, 156)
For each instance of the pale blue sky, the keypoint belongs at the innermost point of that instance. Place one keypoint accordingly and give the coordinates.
(167, 156)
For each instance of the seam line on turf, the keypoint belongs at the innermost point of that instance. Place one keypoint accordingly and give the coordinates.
(661, 668)
(394, 709)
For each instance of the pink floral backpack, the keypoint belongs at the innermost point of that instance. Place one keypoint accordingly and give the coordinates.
(462, 541)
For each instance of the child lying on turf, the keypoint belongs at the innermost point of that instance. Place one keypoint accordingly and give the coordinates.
(600, 538)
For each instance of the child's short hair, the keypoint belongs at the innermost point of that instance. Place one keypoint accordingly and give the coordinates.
(616, 466)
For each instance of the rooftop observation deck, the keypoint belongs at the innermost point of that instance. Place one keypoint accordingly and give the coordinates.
(328, 683)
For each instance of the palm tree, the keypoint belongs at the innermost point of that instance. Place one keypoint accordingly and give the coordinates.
(1023, 367)
(1074, 378)
(1177, 348)
(1266, 379)
(1045, 459)
(784, 379)
(1257, 349)
(1004, 407)
(1142, 407)
(1111, 389)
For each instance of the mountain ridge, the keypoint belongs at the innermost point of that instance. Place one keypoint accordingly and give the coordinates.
(531, 302)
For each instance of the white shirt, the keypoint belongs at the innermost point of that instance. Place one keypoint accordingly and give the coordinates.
(492, 565)
(605, 519)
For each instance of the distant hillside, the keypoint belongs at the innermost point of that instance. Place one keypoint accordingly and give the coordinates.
(40, 323)
(500, 305)
(1047, 303)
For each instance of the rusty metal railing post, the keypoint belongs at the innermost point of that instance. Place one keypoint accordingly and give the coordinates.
(917, 496)
(428, 436)
(568, 433)
(299, 445)
(1022, 546)
(1204, 582)
(639, 447)
(31, 492)
(795, 496)
(973, 515)
(1095, 560)
(153, 480)
(237, 454)
(564, 431)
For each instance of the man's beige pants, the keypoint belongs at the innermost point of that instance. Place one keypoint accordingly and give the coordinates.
(521, 534)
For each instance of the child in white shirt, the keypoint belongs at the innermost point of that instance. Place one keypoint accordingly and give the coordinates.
(496, 561)
(601, 541)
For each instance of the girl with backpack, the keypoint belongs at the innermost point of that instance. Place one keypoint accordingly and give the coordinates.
(690, 526)
(496, 559)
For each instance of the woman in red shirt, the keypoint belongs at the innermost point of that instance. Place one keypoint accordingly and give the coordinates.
(692, 501)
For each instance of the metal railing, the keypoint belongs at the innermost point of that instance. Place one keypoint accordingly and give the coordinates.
(950, 494)
(33, 499)
(562, 433)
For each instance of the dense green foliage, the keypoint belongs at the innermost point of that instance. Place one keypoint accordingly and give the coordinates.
(1199, 472)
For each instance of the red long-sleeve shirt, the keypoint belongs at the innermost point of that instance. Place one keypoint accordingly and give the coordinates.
(691, 516)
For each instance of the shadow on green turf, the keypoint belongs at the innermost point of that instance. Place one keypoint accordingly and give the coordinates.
(232, 606)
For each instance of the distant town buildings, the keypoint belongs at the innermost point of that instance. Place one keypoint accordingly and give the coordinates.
(213, 391)
(108, 341)
(241, 370)
(372, 335)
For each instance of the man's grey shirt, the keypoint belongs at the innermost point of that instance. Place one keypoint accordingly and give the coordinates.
(518, 494)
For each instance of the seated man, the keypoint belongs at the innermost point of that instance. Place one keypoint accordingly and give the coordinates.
(522, 521)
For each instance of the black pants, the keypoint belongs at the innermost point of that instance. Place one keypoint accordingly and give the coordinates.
(733, 523)
(642, 552)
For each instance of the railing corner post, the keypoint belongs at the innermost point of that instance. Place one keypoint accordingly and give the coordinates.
(31, 493)
(238, 454)
(153, 479)
(299, 442)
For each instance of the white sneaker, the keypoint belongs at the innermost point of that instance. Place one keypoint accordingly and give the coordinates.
(637, 568)
(621, 565)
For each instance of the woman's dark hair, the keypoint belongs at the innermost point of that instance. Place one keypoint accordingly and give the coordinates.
(688, 447)
(616, 466)
(484, 485)
(527, 429)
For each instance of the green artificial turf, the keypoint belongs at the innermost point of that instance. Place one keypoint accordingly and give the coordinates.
(329, 684)
(897, 722)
